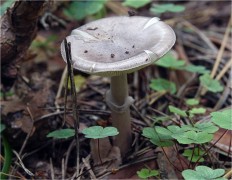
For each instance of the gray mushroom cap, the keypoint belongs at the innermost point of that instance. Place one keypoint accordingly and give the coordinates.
(117, 45)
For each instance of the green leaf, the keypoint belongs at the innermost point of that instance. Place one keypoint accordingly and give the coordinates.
(5, 5)
(2, 127)
(195, 69)
(146, 173)
(163, 140)
(197, 111)
(97, 132)
(222, 118)
(168, 61)
(177, 111)
(169, 7)
(62, 133)
(79, 82)
(206, 127)
(194, 155)
(80, 9)
(136, 3)
(161, 118)
(203, 173)
(192, 102)
(210, 84)
(161, 84)
(192, 137)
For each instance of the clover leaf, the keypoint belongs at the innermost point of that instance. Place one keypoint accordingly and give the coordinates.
(177, 111)
(147, 173)
(80, 9)
(169, 61)
(168, 7)
(62, 133)
(163, 140)
(210, 84)
(135, 3)
(192, 137)
(161, 84)
(206, 127)
(195, 69)
(203, 173)
(97, 132)
(194, 155)
(222, 118)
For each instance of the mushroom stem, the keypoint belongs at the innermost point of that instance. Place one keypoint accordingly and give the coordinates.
(119, 102)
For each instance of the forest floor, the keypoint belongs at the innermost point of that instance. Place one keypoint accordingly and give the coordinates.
(34, 106)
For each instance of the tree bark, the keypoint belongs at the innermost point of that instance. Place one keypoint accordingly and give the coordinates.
(18, 29)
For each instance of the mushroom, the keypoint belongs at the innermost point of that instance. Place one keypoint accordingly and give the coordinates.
(114, 47)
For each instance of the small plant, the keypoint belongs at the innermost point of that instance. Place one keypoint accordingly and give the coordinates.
(80, 9)
(222, 119)
(169, 61)
(169, 7)
(62, 133)
(147, 173)
(210, 84)
(203, 173)
(162, 85)
(97, 132)
(135, 3)
(194, 155)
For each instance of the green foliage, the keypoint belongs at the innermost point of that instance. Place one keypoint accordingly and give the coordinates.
(195, 69)
(169, 7)
(177, 111)
(206, 127)
(197, 111)
(161, 85)
(80, 9)
(194, 155)
(5, 5)
(186, 134)
(203, 173)
(192, 102)
(163, 140)
(147, 173)
(2, 127)
(222, 118)
(97, 132)
(62, 133)
(193, 137)
(210, 84)
(168, 61)
(136, 3)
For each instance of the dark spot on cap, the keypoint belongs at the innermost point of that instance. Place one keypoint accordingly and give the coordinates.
(85, 51)
(146, 59)
(112, 55)
(133, 46)
(127, 52)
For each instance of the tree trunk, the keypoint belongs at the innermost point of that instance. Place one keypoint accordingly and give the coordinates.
(18, 29)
